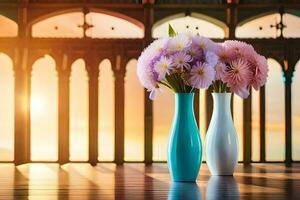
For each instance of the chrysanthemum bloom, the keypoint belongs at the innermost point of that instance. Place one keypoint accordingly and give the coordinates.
(156, 47)
(178, 43)
(224, 54)
(237, 48)
(145, 70)
(220, 71)
(203, 43)
(211, 58)
(237, 75)
(259, 68)
(181, 60)
(202, 75)
(163, 67)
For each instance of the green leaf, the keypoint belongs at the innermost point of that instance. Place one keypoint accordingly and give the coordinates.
(172, 32)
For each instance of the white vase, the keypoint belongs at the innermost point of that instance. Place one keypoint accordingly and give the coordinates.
(221, 142)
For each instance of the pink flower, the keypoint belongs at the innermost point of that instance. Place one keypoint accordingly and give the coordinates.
(181, 60)
(238, 49)
(242, 92)
(202, 75)
(259, 68)
(237, 75)
(224, 54)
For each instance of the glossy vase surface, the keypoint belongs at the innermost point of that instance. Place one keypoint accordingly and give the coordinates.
(221, 142)
(185, 147)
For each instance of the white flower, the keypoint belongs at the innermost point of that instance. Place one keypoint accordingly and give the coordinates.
(162, 67)
(179, 42)
(156, 46)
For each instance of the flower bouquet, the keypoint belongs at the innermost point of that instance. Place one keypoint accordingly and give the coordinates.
(185, 63)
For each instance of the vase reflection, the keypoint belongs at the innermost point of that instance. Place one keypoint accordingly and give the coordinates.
(222, 187)
(184, 190)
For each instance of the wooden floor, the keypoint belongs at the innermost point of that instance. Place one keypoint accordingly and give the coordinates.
(135, 181)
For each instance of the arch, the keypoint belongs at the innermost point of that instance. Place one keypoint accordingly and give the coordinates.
(79, 112)
(238, 123)
(119, 15)
(291, 21)
(255, 125)
(258, 26)
(11, 27)
(256, 16)
(106, 112)
(112, 27)
(61, 25)
(296, 113)
(214, 28)
(163, 111)
(68, 24)
(44, 110)
(134, 115)
(52, 14)
(6, 108)
(275, 120)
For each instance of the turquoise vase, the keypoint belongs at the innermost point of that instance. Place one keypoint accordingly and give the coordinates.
(185, 147)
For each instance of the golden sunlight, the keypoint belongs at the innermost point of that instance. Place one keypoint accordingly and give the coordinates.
(44, 110)
(36, 104)
(106, 112)
(238, 121)
(6, 109)
(296, 113)
(11, 27)
(134, 115)
(255, 126)
(193, 24)
(163, 109)
(79, 112)
(275, 136)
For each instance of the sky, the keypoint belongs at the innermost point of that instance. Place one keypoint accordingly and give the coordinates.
(44, 88)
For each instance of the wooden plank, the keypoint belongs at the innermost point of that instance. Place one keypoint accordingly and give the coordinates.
(137, 181)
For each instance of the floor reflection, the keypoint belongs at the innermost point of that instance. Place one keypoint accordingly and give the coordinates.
(186, 191)
(138, 181)
(222, 187)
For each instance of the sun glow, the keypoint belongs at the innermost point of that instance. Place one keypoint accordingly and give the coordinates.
(37, 104)
(44, 110)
